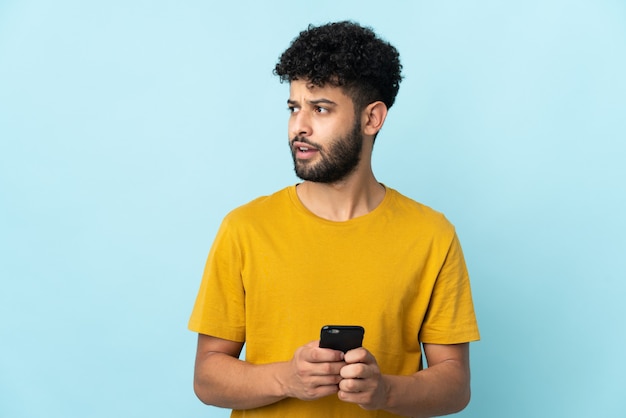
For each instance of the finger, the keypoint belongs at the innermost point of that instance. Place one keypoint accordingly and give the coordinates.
(321, 391)
(363, 399)
(324, 355)
(353, 386)
(326, 369)
(359, 355)
(312, 353)
(355, 371)
(312, 381)
(327, 380)
(311, 392)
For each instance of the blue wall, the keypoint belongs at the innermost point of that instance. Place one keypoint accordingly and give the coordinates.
(129, 128)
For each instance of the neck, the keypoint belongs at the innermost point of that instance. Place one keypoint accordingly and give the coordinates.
(355, 196)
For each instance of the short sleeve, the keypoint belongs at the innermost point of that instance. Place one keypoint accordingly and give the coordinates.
(219, 309)
(450, 318)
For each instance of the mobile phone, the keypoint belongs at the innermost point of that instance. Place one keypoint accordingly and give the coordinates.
(341, 337)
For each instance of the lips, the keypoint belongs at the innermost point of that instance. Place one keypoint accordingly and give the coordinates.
(303, 150)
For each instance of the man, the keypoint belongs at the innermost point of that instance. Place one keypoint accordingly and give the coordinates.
(338, 248)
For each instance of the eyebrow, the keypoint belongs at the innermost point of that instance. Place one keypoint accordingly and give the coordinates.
(314, 102)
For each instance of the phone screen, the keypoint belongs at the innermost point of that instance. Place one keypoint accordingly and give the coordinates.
(341, 337)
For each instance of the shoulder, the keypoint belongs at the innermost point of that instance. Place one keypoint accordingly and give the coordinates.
(418, 213)
(260, 208)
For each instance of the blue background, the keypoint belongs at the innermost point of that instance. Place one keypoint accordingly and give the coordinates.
(128, 129)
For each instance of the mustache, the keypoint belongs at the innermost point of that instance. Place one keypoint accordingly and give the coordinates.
(304, 141)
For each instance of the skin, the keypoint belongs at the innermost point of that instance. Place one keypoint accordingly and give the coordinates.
(331, 162)
(321, 115)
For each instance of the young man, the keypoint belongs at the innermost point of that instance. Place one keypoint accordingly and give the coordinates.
(338, 248)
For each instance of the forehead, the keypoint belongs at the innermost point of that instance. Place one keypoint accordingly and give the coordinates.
(304, 90)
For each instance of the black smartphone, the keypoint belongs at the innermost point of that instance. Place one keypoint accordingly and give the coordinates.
(341, 337)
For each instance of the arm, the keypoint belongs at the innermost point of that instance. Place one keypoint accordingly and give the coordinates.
(443, 388)
(221, 379)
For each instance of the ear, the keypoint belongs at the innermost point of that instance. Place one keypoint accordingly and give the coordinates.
(373, 118)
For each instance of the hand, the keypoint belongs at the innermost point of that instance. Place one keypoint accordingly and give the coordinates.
(313, 372)
(362, 381)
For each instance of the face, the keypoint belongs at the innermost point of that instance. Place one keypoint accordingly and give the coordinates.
(325, 134)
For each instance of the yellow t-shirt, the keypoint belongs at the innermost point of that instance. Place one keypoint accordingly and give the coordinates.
(277, 273)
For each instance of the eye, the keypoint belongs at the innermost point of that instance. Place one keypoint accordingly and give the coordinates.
(320, 109)
(293, 109)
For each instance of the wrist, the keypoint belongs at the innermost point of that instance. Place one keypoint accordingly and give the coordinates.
(395, 393)
(387, 392)
(281, 387)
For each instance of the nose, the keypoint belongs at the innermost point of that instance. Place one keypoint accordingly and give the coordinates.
(300, 124)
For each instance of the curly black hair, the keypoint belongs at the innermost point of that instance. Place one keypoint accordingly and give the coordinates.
(347, 55)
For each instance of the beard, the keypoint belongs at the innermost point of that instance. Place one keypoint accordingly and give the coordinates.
(335, 162)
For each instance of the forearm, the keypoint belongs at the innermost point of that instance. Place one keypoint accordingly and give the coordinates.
(439, 390)
(225, 381)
